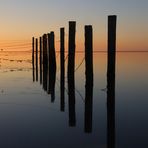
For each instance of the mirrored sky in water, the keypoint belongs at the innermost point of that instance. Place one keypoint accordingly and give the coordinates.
(30, 119)
(22, 19)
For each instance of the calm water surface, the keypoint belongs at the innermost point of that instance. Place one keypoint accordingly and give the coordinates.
(29, 118)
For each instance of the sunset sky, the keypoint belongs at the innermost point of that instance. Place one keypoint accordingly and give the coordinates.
(22, 19)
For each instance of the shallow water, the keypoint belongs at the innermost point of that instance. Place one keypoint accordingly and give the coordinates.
(29, 118)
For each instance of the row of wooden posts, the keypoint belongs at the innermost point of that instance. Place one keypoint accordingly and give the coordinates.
(48, 66)
(48, 53)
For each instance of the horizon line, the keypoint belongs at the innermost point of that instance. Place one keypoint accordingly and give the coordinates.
(79, 51)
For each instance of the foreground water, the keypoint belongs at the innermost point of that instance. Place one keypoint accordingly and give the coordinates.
(30, 118)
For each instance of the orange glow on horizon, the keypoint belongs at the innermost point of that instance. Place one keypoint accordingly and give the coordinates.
(125, 40)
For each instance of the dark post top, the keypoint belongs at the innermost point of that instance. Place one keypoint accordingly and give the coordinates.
(72, 30)
(112, 19)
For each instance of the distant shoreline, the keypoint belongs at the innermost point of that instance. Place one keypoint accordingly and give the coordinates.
(79, 51)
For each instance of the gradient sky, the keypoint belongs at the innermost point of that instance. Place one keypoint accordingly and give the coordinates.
(22, 19)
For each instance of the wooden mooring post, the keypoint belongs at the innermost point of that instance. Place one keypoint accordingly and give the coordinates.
(62, 67)
(111, 81)
(33, 50)
(51, 65)
(71, 51)
(89, 54)
(71, 75)
(36, 59)
(111, 45)
(33, 67)
(89, 78)
(41, 59)
(45, 62)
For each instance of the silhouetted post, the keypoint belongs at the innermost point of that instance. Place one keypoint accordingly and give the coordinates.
(89, 54)
(71, 77)
(62, 63)
(111, 81)
(71, 51)
(36, 59)
(32, 49)
(33, 67)
(111, 44)
(51, 65)
(45, 62)
(41, 54)
(89, 78)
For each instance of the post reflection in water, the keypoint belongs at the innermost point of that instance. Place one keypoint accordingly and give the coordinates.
(71, 105)
(88, 108)
(33, 71)
(111, 110)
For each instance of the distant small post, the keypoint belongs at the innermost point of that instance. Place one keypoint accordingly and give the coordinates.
(62, 63)
(45, 58)
(89, 78)
(41, 60)
(33, 59)
(45, 62)
(33, 49)
(36, 59)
